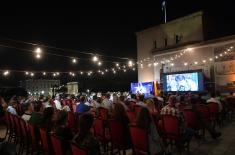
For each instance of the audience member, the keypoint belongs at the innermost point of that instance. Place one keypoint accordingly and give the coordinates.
(84, 138)
(82, 107)
(27, 112)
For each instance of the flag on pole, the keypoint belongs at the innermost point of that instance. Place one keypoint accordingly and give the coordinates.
(163, 5)
(164, 9)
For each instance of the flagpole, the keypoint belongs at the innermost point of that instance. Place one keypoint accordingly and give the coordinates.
(165, 11)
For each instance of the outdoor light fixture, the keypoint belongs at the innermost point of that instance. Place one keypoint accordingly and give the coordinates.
(74, 60)
(26, 73)
(57, 73)
(54, 74)
(38, 56)
(31, 74)
(44, 73)
(99, 63)
(106, 70)
(81, 73)
(95, 58)
(6, 73)
(130, 63)
(117, 64)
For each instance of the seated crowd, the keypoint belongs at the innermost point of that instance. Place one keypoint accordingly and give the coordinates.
(148, 114)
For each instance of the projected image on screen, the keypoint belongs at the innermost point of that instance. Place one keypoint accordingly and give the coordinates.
(142, 88)
(182, 82)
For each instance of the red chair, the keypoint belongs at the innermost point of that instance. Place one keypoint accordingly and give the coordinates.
(131, 105)
(131, 116)
(71, 120)
(214, 112)
(117, 136)
(170, 126)
(204, 111)
(12, 134)
(139, 138)
(45, 142)
(77, 151)
(17, 129)
(25, 143)
(100, 132)
(56, 144)
(137, 109)
(190, 119)
(103, 113)
(33, 140)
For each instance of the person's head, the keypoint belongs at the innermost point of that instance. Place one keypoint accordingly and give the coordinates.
(107, 96)
(118, 111)
(141, 98)
(85, 123)
(48, 113)
(28, 107)
(115, 98)
(99, 100)
(62, 118)
(133, 96)
(122, 98)
(94, 97)
(218, 93)
(172, 100)
(150, 104)
(82, 98)
(212, 94)
(143, 118)
(37, 106)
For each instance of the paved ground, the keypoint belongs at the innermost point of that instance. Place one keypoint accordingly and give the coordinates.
(222, 146)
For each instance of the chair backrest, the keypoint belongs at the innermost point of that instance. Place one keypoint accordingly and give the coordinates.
(75, 150)
(213, 107)
(23, 127)
(45, 141)
(71, 120)
(99, 129)
(103, 112)
(32, 134)
(131, 116)
(131, 105)
(56, 144)
(139, 138)
(11, 120)
(170, 127)
(190, 118)
(204, 111)
(117, 133)
(137, 109)
(17, 125)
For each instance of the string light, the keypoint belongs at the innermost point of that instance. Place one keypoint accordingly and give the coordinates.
(95, 58)
(26, 73)
(38, 56)
(99, 63)
(211, 59)
(54, 74)
(204, 61)
(74, 60)
(44, 73)
(81, 72)
(38, 50)
(5, 73)
(185, 63)
(172, 64)
(31, 74)
(117, 64)
(195, 62)
(106, 70)
(155, 63)
(130, 63)
(57, 73)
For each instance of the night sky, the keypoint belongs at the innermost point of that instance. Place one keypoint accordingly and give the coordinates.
(108, 30)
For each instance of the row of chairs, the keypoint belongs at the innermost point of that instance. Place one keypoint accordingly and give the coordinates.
(24, 135)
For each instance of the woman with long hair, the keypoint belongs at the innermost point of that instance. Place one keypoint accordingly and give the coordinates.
(145, 121)
(85, 139)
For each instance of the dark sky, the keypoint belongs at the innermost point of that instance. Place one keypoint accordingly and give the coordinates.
(110, 30)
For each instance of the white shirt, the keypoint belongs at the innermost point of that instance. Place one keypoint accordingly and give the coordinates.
(11, 110)
(140, 103)
(214, 100)
(58, 105)
(107, 104)
(26, 117)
